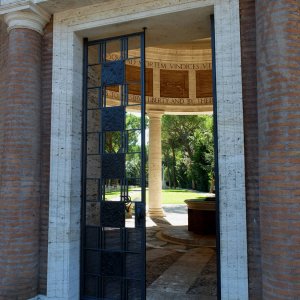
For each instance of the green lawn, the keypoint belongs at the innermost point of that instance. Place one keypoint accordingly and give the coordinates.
(169, 196)
(178, 196)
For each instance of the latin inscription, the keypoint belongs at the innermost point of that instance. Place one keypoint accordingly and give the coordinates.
(164, 101)
(166, 66)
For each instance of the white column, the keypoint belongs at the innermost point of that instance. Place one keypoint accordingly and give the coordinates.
(155, 172)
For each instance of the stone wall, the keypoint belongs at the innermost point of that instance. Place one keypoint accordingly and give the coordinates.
(248, 45)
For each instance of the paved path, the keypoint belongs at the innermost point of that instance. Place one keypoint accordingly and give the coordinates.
(178, 279)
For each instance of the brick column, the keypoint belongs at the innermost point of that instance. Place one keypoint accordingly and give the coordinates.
(248, 51)
(278, 53)
(20, 158)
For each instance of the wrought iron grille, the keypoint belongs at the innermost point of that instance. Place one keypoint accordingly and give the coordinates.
(113, 170)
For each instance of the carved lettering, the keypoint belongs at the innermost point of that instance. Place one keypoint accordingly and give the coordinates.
(162, 101)
(165, 66)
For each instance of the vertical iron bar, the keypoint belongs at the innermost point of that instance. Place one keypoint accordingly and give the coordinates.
(123, 59)
(143, 154)
(104, 87)
(102, 289)
(98, 290)
(101, 103)
(101, 58)
(104, 51)
(143, 112)
(125, 100)
(83, 163)
(124, 103)
(100, 189)
(216, 171)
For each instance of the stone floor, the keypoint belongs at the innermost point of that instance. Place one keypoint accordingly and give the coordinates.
(180, 265)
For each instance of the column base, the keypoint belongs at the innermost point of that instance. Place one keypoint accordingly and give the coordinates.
(156, 212)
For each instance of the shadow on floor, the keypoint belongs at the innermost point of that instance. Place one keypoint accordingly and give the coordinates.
(177, 268)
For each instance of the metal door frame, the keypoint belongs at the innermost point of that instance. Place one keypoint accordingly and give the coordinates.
(86, 44)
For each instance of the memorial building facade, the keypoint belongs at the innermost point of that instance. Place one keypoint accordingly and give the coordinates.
(72, 71)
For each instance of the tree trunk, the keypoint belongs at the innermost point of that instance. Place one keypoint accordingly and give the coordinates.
(174, 166)
(193, 184)
(170, 176)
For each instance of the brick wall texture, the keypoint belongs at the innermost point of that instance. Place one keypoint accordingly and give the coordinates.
(278, 69)
(20, 166)
(3, 70)
(248, 54)
(47, 45)
(25, 122)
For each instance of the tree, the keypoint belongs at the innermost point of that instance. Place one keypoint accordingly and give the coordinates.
(187, 144)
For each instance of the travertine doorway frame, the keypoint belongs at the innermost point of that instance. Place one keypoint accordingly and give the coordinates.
(63, 280)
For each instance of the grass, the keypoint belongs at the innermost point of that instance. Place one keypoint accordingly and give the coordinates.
(169, 196)
(178, 196)
(111, 195)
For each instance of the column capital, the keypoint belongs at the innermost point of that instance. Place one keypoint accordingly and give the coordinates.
(155, 113)
(31, 17)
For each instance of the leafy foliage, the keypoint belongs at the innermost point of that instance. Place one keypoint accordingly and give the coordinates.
(188, 152)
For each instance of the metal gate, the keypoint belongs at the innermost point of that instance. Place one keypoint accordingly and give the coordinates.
(113, 169)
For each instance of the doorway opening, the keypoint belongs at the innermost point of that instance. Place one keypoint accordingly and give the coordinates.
(188, 20)
(181, 223)
(121, 85)
(181, 243)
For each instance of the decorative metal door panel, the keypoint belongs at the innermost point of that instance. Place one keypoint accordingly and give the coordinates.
(113, 170)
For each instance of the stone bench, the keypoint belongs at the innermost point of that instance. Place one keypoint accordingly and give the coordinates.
(202, 215)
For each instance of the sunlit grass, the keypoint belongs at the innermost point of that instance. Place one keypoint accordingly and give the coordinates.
(169, 196)
(178, 196)
(111, 195)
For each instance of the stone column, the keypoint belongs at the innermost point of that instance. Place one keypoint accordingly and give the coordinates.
(155, 172)
(20, 157)
(278, 65)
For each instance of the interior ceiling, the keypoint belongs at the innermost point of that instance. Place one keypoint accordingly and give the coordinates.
(188, 29)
